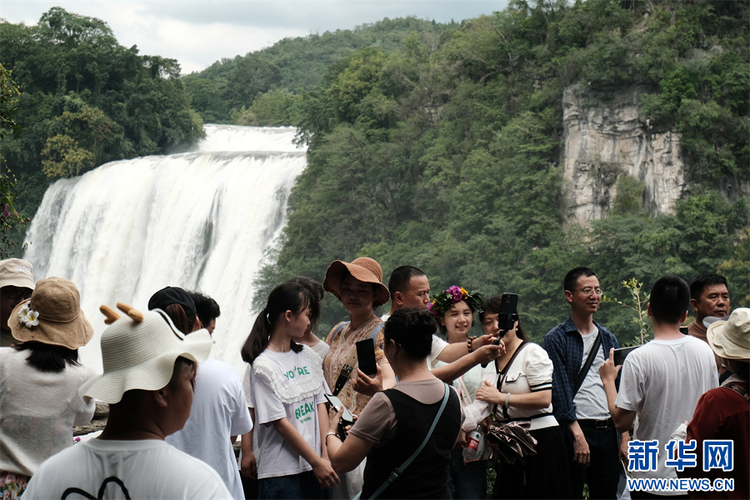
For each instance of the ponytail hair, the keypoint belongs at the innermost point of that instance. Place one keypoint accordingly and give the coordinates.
(289, 296)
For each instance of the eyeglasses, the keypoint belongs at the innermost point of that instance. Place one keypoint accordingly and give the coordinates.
(589, 291)
(14, 293)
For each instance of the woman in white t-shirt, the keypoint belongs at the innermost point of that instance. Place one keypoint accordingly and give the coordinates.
(288, 391)
(520, 389)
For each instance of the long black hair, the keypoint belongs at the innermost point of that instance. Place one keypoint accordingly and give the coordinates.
(289, 296)
(316, 294)
(48, 357)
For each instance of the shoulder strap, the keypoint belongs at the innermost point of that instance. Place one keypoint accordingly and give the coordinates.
(339, 327)
(739, 390)
(586, 367)
(375, 331)
(396, 473)
(501, 380)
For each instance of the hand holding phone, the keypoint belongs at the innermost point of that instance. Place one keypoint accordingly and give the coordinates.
(622, 353)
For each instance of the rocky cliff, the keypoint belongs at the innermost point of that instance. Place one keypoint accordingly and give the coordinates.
(607, 138)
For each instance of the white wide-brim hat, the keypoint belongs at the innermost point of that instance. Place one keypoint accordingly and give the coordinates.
(730, 339)
(141, 355)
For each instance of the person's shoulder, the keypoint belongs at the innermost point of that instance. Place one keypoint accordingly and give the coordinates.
(535, 350)
(560, 329)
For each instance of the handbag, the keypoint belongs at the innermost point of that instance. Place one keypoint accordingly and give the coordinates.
(397, 472)
(511, 438)
(512, 441)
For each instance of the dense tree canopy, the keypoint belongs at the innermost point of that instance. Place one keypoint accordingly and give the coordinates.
(444, 153)
(86, 100)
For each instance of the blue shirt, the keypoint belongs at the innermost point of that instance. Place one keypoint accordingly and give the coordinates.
(565, 348)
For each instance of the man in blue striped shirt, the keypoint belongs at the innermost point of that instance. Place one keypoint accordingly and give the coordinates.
(580, 405)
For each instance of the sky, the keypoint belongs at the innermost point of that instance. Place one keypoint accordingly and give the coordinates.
(198, 33)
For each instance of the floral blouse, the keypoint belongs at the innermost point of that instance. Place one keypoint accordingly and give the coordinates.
(344, 352)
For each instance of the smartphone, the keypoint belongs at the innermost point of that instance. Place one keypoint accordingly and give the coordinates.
(337, 404)
(366, 357)
(622, 353)
(508, 315)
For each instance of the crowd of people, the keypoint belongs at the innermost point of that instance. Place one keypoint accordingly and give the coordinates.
(404, 405)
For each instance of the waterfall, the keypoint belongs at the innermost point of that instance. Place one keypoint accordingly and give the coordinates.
(202, 220)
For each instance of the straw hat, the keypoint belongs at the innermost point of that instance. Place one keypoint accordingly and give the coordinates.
(141, 355)
(730, 339)
(363, 269)
(16, 272)
(52, 315)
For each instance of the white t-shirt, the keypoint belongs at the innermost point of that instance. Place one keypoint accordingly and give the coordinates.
(38, 410)
(321, 349)
(591, 400)
(531, 371)
(218, 412)
(146, 469)
(662, 382)
(286, 385)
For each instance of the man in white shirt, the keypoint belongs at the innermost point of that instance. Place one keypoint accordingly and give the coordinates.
(409, 287)
(662, 381)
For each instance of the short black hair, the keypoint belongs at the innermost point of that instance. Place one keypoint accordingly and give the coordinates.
(571, 279)
(670, 298)
(48, 357)
(401, 277)
(494, 305)
(412, 329)
(701, 282)
(206, 308)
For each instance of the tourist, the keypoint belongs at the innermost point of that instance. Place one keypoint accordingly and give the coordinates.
(578, 398)
(39, 381)
(16, 285)
(288, 394)
(218, 413)
(148, 381)
(396, 423)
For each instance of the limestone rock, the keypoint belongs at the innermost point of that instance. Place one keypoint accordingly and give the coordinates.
(605, 138)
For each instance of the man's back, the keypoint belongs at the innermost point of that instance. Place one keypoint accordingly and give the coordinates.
(125, 469)
(662, 382)
(218, 412)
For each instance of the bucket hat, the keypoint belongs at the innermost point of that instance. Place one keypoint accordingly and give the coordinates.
(730, 339)
(16, 272)
(141, 355)
(52, 315)
(362, 269)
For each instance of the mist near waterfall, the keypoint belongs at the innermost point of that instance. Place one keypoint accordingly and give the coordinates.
(202, 220)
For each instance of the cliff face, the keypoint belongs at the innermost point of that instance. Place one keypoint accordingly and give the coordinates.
(606, 139)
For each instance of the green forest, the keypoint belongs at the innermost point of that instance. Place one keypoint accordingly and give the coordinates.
(434, 145)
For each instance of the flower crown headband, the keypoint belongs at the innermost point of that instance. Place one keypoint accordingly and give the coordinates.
(444, 300)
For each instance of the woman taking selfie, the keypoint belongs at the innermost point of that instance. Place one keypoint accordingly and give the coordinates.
(288, 396)
(454, 309)
(520, 389)
(419, 418)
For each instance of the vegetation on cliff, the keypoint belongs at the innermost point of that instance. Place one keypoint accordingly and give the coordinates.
(444, 153)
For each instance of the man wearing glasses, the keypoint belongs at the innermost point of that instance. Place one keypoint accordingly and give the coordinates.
(578, 347)
(16, 285)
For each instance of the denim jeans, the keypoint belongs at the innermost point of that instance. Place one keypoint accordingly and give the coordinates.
(303, 485)
(467, 481)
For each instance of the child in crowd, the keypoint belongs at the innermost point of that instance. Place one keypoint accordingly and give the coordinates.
(288, 395)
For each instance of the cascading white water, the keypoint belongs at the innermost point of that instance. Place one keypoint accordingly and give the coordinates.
(202, 221)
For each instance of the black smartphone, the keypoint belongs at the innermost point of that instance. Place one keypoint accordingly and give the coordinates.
(622, 353)
(366, 357)
(508, 315)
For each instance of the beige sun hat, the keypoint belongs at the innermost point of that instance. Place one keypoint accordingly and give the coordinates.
(730, 339)
(16, 272)
(52, 315)
(363, 269)
(141, 355)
